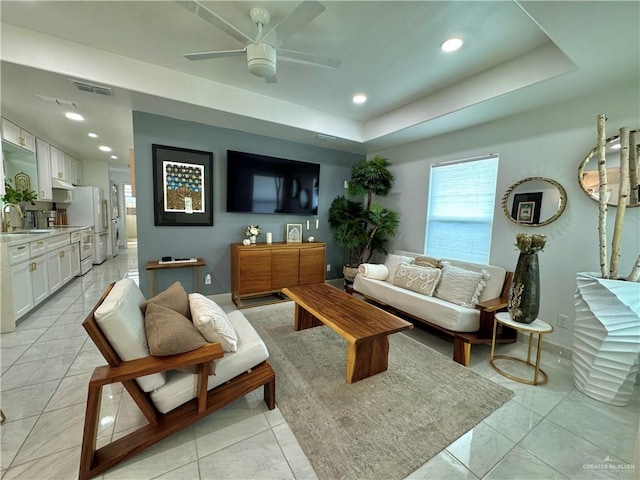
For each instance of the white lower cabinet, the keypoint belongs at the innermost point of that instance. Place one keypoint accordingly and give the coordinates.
(53, 271)
(39, 279)
(65, 264)
(75, 259)
(22, 293)
(39, 268)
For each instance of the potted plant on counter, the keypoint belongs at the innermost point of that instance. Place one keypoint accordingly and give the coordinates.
(363, 227)
(606, 336)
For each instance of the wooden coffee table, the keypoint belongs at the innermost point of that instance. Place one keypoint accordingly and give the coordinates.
(365, 327)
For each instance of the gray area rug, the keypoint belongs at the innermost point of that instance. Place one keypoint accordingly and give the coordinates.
(383, 427)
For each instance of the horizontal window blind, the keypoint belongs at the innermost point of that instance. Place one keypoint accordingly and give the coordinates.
(460, 209)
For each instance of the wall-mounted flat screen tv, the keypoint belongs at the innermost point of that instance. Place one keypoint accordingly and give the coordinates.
(262, 184)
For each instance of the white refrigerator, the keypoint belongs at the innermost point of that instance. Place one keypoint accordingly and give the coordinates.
(89, 208)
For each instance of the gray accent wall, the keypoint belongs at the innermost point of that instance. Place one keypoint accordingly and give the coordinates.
(213, 243)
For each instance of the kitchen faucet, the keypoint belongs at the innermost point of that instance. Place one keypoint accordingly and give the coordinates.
(5, 221)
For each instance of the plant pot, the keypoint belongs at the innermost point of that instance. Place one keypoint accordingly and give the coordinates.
(349, 274)
(252, 238)
(524, 294)
(606, 338)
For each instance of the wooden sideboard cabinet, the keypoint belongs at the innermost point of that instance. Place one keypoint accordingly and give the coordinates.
(261, 270)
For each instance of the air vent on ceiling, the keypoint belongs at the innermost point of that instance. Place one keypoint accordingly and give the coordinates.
(59, 101)
(324, 138)
(91, 88)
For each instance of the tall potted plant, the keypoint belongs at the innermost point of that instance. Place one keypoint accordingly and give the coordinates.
(606, 336)
(363, 227)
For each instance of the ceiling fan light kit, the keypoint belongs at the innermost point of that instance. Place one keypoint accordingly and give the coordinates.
(262, 50)
(261, 58)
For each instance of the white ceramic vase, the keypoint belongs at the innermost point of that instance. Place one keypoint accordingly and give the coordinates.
(606, 338)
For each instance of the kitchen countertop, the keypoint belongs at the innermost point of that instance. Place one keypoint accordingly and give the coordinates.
(25, 236)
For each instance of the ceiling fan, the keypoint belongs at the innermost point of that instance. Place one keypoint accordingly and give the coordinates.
(261, 50)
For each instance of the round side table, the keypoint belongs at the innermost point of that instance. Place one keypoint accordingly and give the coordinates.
(539, 327)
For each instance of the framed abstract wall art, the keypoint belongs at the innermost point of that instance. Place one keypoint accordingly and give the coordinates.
(183, 186)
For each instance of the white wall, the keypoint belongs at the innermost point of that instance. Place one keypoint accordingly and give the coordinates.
(549, 142)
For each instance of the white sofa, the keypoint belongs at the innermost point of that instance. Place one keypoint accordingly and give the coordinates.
(468, 325)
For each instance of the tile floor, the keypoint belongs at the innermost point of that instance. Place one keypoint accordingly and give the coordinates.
(545, 432)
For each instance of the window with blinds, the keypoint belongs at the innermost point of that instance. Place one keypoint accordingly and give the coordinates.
(460, 209)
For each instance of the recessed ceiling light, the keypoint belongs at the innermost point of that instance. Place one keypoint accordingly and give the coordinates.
(114, 157)
(93, 135)
(359, 99)
(451, 45)
(74, 116)
(104, 148)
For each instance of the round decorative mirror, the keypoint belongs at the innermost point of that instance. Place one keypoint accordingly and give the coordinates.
(534, 201)
(588, 173)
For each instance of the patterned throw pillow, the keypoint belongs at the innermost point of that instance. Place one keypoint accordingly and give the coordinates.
(426, 261)
(212, 322)
(460, 286)
(418, 279)
(392, 261)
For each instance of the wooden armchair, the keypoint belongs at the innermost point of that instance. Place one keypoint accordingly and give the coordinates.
(161, 425)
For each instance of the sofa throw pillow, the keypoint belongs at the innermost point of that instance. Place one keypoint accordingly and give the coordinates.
(460, 286)
(426, 261)
(174, 297)
(373, 270)
(417, 279)
(169, 333)
(212, 322)
(392, 261)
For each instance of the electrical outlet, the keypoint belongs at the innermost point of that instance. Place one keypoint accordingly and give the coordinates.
(207, 279)
(346, 184)
(562, 321)
(328, 267)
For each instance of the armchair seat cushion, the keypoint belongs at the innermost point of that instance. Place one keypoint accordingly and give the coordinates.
(181, 387)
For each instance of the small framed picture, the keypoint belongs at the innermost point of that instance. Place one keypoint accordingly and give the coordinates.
(526, 212)
(294, 232)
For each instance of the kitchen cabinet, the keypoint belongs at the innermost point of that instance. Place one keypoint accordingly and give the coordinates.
(58, 169)
(22, 292)
(58, 262)
(74, 258)
(78, 175)
(43, 161)
(14, 134)
(69, 168)
(39, 279)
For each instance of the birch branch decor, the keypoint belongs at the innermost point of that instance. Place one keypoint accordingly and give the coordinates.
(628, 183)
(602, 195)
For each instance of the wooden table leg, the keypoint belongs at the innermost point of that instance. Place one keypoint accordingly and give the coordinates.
(367, 358)
(304, 319)
(153, 283)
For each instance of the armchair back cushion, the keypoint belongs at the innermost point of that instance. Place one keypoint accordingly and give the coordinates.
(122, 322)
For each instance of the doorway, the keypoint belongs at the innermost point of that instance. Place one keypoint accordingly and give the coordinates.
(130, 216)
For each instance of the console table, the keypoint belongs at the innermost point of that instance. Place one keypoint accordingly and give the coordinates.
(154, 265)
(261, 270)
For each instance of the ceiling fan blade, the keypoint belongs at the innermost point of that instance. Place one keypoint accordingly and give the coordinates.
(301, 15)
(215, 20)
(216, 54)
(271, 79)
(300, 57)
